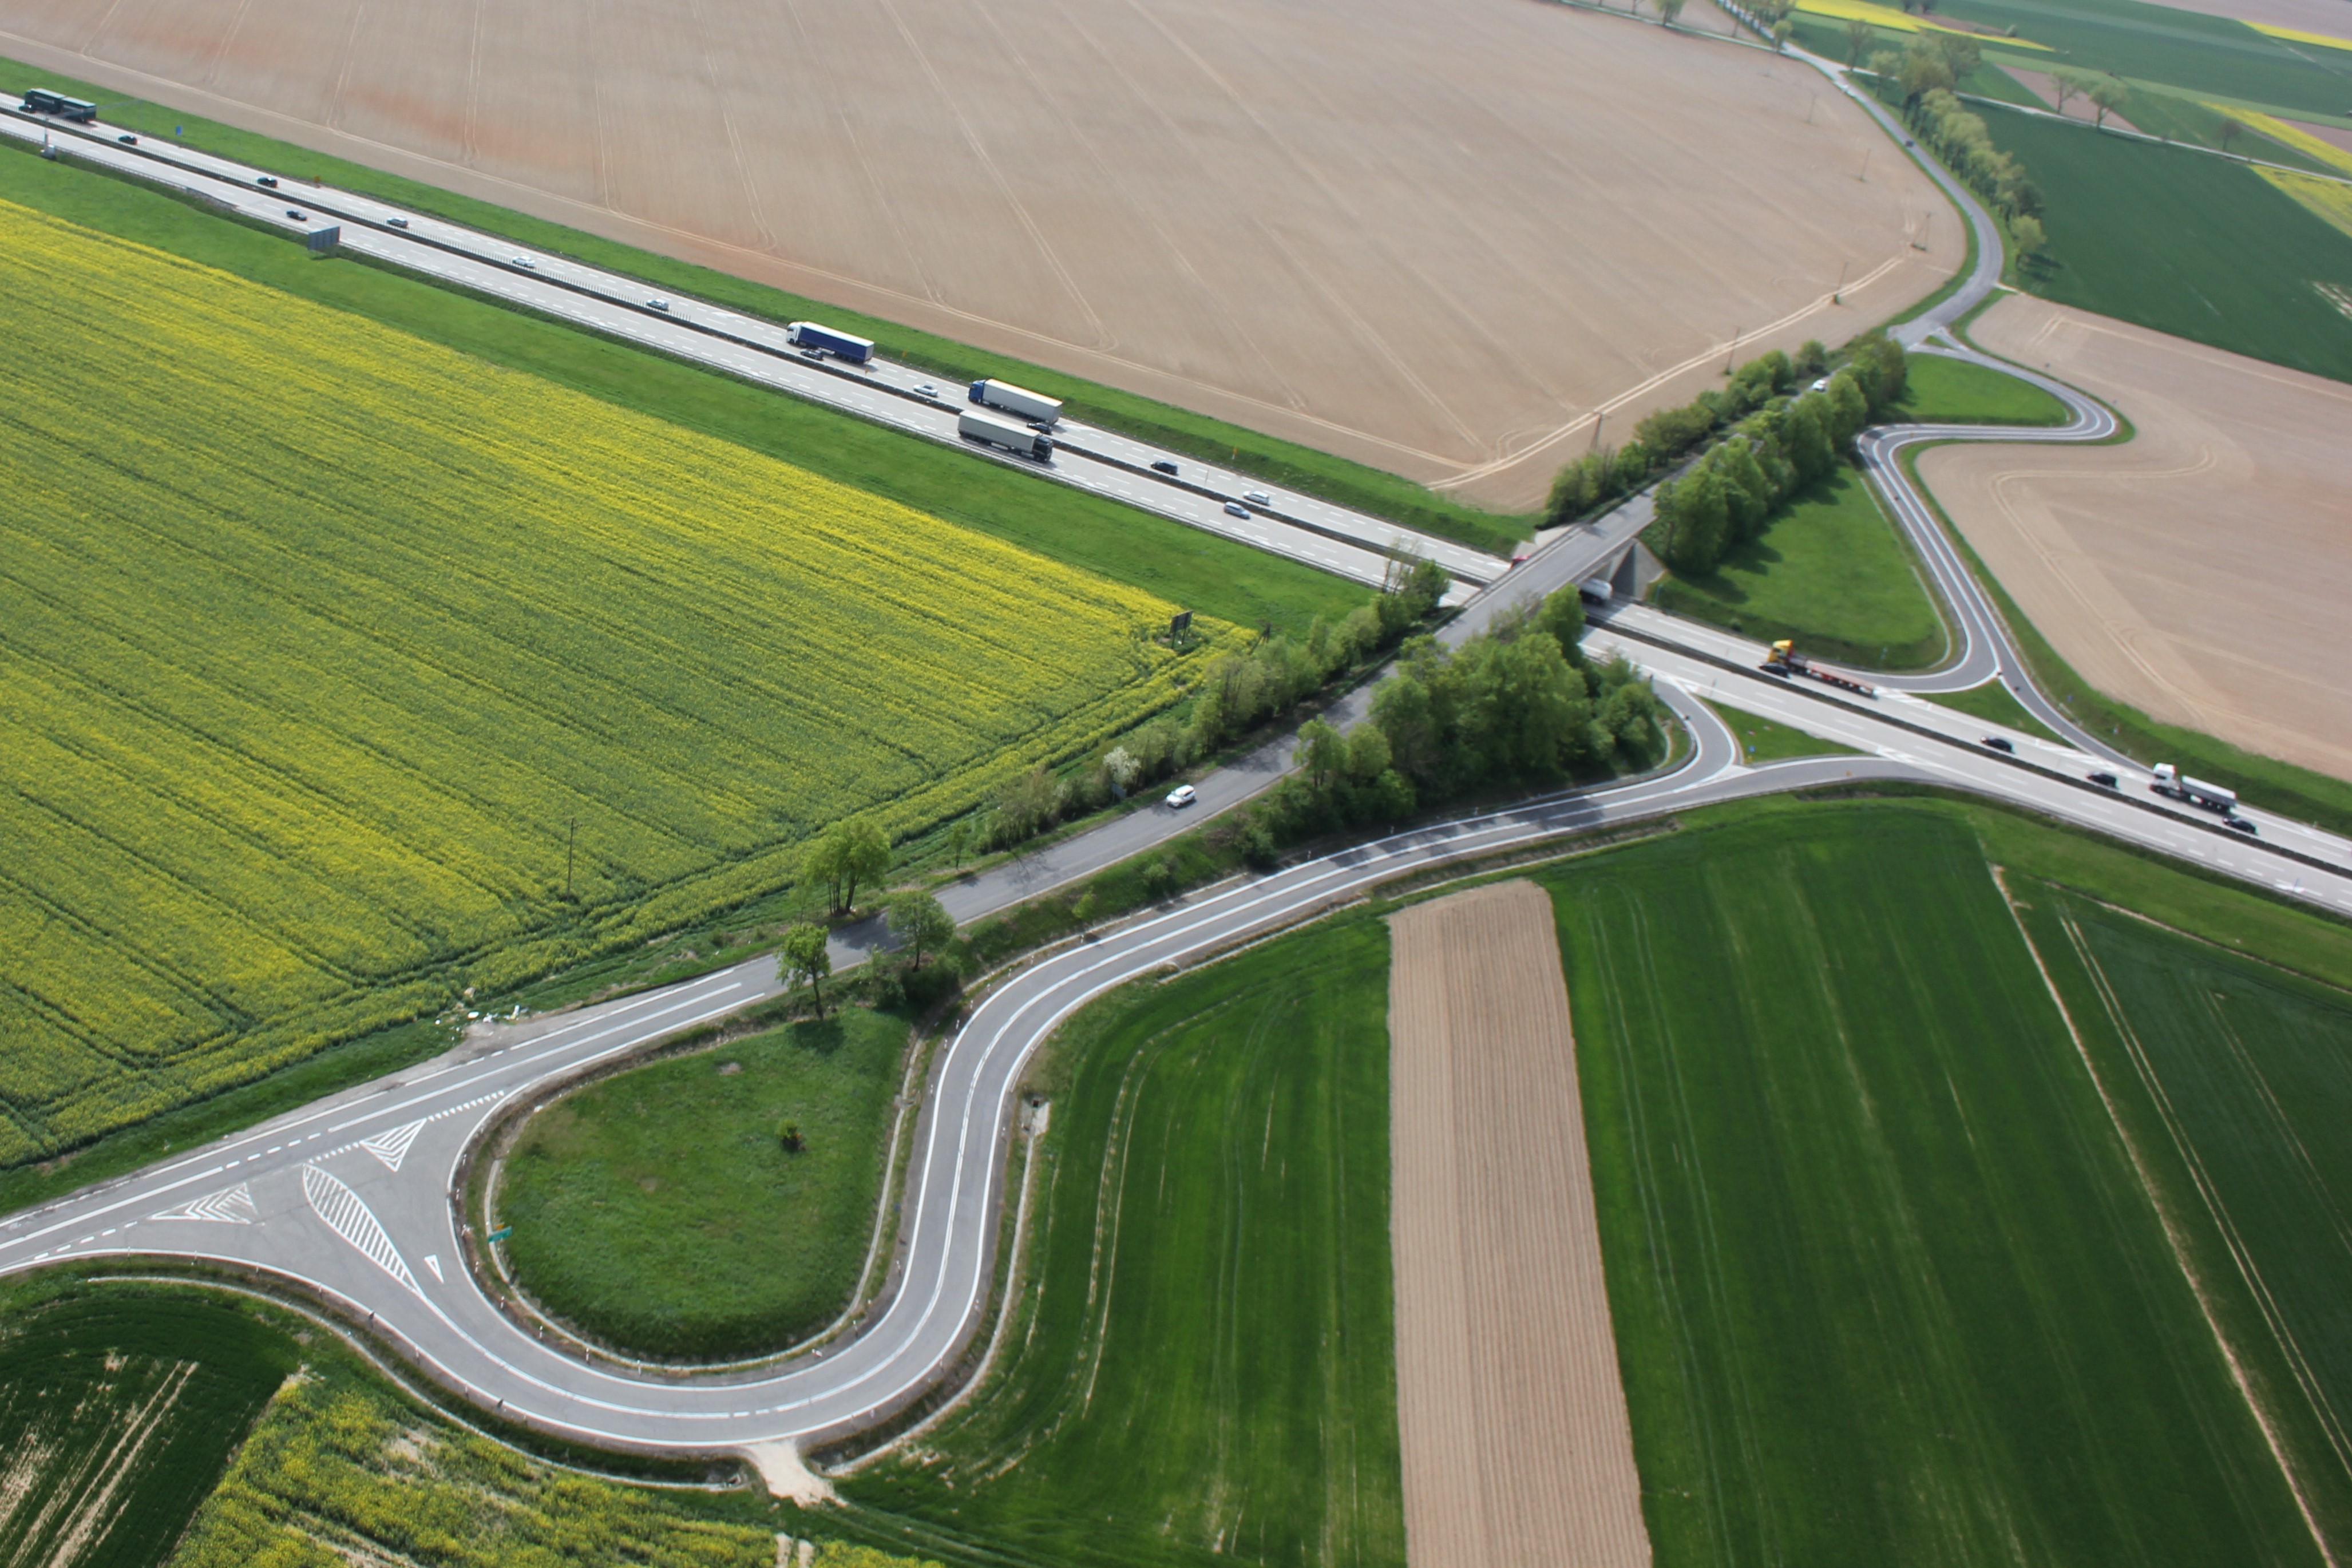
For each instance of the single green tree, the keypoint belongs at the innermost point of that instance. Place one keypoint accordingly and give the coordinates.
(2229, 131)
(1859, 36)
(921, 924)
(2027, 232)
(803, 957)
(1668, 10)
(2107, 96)
(959, 841)
(1320, 754)
(788, 1134)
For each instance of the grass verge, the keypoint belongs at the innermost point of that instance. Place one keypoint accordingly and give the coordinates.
(1232, 1391)
(1994, 703)
(1886, 1287)
(1763, 740)
(1830, 572)
(1944, 390)
(660, 1210)
(1266, 456)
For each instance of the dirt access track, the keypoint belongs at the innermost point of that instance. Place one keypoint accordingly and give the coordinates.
(1425, 234)
(1509, 1406)
(2199, 571)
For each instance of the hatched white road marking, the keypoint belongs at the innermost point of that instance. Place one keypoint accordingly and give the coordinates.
(231, 1206)
(392, 1147)
(433, 1261)
(353, 1220)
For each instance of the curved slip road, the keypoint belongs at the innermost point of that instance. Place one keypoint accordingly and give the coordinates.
(351, 1197)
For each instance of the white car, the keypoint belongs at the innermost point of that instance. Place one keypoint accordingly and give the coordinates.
(525, 263)
(1259, 498)
(657, 304)
(927, 390)
(1182, 795)
(397, 222)
(1236, 509)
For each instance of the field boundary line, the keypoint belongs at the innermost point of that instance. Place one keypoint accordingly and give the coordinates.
(2173, 1234)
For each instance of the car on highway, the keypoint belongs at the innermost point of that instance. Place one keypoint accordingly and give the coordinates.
(1236, 509)
(1259, 498)
(2105, 781)
(657, 303)
(927, 390)
(270, 181)
(2001, 743)
(397, 222)
(128, 140)
(1182, 795)
(525, 263)
(1164, 467)
(297, 215)
(2243, 825)
(812, 353)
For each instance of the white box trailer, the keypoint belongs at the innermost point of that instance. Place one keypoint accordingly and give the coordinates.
(2171, 780)
(1045, 411)
(1018, 440)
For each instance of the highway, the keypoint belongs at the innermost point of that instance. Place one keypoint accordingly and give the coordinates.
(1336, 539)
(351, 1198)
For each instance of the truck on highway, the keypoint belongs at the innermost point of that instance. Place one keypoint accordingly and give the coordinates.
(2171, 781)
(1784, 660)
(41, 101)
(1045, 411)
(841, 345)
(1017, 440)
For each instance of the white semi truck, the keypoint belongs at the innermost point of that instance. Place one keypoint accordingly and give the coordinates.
(1019, 439)
(2171, 780)
(1044, 411)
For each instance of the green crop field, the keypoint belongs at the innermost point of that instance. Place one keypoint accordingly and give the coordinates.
(1283, 462)
(1887, 1287)
(1204, 1369)
(659, 1210)
(2184, 242)
(117, 1415)
(1829, 571)
(2212, 55)
(2236, 1079)
(1944, 390)
(325, 642)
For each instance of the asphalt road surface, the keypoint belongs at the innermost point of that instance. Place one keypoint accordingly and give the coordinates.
(1337, 539)
(352, 1197)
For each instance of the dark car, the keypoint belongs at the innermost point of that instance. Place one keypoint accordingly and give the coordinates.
(1164, 467)
(2105, 781)
(297, 215)
(128, 140)
(269, 180)
(2243, 825)
(1999, 744)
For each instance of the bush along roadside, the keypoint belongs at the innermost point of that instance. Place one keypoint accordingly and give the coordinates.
(1786, 446)
(1927, 76)
(1516, 706)
(1235, 694)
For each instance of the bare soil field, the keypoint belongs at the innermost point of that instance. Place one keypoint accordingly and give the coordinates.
(2199, 571)
(1510, 1411)
(2043, 86)
(1430, 235)
(2332, 17)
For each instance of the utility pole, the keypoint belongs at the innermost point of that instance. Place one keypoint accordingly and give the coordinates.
(1730, 349)
(1867, 152)
(570, 839)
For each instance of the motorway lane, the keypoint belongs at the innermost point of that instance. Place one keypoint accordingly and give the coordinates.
(1336, 539)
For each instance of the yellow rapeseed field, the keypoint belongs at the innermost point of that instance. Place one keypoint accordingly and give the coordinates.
(1896, 20)
(2329, 199)
(316, 641)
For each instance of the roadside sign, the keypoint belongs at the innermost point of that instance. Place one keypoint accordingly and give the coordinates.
(500, 1233)
(1179, 623)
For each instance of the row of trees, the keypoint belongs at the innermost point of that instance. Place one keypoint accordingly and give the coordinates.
(1606, 474)
(1235, 693)
(1782, 448)
(1517, 704)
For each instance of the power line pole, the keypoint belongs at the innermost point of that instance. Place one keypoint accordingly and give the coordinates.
(570, 839)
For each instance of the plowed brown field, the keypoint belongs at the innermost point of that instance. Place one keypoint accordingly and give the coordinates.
(1511, 1413)
(1427, 233)
(2201, 571)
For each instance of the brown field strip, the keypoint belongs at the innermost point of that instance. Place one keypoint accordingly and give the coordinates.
(2198, 571)
(1431, 235)
(1511, 1413)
